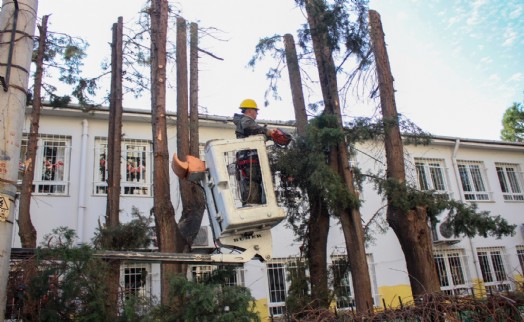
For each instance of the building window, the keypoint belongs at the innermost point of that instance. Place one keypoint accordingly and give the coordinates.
(451, 272)
(510, 180)
(431, 175)
(135, 279)
(491, 263)
(135, 167)
(520, 255)
(342, 282)
(276, 273)
(229, 275)
(472, 179)
(51, 164)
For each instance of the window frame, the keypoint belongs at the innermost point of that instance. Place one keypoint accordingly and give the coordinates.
(135, 168)
(473, 179)
(510, 181)
(494, 275)
(429, 169)
(52, 164)
(451, 266)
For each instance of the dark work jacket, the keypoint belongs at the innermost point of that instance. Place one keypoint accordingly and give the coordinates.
(247, 126)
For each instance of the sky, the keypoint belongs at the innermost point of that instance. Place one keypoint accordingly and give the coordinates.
(457, 64)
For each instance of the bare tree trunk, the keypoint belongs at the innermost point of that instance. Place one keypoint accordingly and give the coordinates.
(114, 140)
(411, 228)
(318, 225)
(169, 237)
(295, 81)
(350, 218)
(188, 141)
(27, 231)
(17, 28)
(114, 155)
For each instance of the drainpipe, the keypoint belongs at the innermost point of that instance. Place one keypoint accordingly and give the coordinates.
(459, 184)
(82, 184)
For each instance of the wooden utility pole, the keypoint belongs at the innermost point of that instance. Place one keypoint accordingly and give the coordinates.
(410, 226)
(17, 29)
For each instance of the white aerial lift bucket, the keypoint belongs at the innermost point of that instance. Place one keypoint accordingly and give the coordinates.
(236, 223)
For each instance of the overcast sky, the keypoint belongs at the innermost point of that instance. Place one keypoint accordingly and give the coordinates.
(457, 64)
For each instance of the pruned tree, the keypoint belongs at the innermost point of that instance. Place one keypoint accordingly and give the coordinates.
(54, 52)
(170, 239)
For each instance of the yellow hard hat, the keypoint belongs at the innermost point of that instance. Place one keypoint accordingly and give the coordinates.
(248, 103)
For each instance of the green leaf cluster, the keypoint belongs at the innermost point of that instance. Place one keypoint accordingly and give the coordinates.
(513, 123)
(132, 235)
(208, 301)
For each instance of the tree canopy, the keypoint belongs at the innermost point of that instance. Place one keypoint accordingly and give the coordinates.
(513, 123)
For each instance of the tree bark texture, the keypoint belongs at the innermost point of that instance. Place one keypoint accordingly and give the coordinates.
(410, 227)
(318, 221)
(114, 139)
(188, 142)
(27, 231)
(168, 235)
(114, 155)
(295, 81)
(350, 218)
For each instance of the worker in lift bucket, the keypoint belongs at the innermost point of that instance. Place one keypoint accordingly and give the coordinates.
(248, 172)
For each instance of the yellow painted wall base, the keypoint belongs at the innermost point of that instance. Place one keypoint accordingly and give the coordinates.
(393, 295)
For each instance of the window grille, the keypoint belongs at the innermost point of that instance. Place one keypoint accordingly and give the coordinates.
(342, 283)
(234, 276)
(510, 180)
(474, 186)
(135, 167)
(135, 280)
(52, 164)
(451, 272)
(492, 266)
(520, 255)
(432, 175)
(276, 273)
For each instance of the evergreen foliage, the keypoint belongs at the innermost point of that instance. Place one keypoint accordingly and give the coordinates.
(132, 235)
(513, 123)
(209, 301)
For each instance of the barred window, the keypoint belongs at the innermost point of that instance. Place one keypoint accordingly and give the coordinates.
(135, 280)
(451, 272)
(474, 186)
(510, 180)
(492, 266)
(431, 174)
(135, 168)
(52, 164)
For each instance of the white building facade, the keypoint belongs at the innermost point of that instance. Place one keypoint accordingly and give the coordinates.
(70, 190)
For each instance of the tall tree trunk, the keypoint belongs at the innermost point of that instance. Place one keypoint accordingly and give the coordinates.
(350, 218)
(169, 237)
(17, 28)
(295, 81)
(318, 224)
(27, 231)
(114, 155)
(188, 141)
(410, 227)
